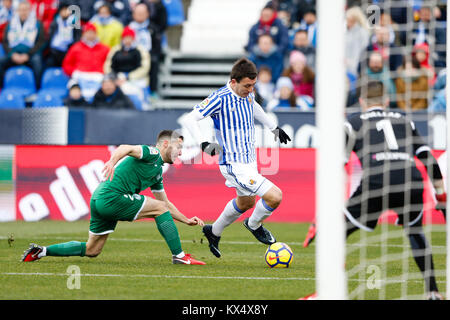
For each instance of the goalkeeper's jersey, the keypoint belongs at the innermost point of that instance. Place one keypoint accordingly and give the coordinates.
(133, 175)
(385, 142)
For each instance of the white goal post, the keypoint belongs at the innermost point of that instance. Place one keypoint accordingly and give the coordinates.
(331, 278)
(331, 281)
(447, 93)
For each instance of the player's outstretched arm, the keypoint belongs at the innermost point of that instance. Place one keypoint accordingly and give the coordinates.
(121, 151)
(262, 117)
(191, 123)
(176, 214)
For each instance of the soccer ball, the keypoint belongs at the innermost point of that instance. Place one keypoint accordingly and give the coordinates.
(278, 255)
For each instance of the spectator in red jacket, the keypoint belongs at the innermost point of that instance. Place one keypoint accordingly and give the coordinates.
(422, 53)
(269, 24)
(84, 61)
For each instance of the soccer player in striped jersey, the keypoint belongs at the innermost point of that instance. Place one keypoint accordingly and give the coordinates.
(233, 110)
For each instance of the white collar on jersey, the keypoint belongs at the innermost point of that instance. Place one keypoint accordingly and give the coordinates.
(232, 91)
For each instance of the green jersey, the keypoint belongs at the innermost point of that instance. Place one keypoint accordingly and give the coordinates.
(132, 175)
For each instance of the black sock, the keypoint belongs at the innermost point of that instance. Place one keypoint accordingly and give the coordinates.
(424, 259)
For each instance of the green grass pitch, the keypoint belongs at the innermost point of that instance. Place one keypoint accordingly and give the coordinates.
(136, 264)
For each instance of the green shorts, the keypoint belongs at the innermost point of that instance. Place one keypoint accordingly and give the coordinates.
(106, 211)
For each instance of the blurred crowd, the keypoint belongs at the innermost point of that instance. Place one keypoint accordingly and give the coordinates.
(400, 42)
(404, 46)
(110, 49)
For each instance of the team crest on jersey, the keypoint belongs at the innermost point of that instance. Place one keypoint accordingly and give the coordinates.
(153, 150)
(204, 103)
(250, 100)
(252, 182)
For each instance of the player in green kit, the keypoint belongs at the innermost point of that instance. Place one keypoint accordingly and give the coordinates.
(130, 170)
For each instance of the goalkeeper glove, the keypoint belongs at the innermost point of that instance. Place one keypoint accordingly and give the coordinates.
(211, 148)
(280, 134)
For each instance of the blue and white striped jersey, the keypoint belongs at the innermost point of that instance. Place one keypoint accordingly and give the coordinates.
(234, 124)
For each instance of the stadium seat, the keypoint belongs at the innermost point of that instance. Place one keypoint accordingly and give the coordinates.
(175, 12)
(55, 79)
(9, 99)
(21, 80)
(2, 52)
(136, 101)
(47, 98)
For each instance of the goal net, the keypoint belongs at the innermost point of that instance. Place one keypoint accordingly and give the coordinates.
(402, 44)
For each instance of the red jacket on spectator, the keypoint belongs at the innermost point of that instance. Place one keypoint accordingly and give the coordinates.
(2, 30)
(45, 11)
(84, 58)
(424, 60)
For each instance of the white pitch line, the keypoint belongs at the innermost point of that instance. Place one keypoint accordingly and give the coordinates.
(223, 242)
(151, 276)
(193, 277)
(151, 240)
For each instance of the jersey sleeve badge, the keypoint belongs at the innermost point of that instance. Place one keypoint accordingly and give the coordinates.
(153, 150)
(204, 103)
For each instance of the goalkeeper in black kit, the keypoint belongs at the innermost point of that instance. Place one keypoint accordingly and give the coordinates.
(386, 143)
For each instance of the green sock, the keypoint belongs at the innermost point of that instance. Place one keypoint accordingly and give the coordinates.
(66, 249)
(169, 231)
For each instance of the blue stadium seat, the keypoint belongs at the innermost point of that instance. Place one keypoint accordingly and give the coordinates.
(56, 80)
(46, 98)
(2, 52)
(136, 101)
(20, 79)
(10, 99)
(175, 12)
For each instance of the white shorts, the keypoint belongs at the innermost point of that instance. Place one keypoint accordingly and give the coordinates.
(245, 178)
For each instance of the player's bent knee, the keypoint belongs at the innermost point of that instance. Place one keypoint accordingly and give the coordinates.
(92, 253)
(161, 207)
(153, 208)
(273, 197)
(245, 203)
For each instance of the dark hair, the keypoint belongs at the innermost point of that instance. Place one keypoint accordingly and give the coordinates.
(243, 68)
(265, 35)
(373, 92)
(105, 4)
(270, 5)
(310, 10)
(63, 4)
(302, 30)
(169, 134)
(265, 68)
(308, 74)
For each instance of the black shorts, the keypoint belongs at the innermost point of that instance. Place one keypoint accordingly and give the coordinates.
(364, 209)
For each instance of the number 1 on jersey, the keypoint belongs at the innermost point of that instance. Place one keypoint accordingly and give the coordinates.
(389, 134)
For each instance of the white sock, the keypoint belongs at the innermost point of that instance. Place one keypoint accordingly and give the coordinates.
(260, 213)
(227, 217)
(180, 255)
(43, 253)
